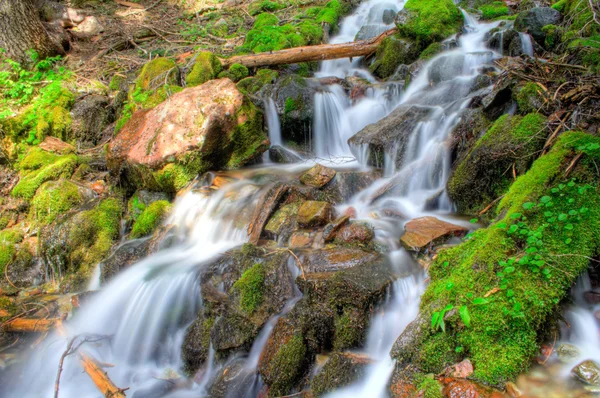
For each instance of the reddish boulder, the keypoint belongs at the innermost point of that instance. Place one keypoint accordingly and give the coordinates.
(426, 231)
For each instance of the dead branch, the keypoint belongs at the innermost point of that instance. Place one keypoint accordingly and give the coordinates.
(310, 53)
(25, 325)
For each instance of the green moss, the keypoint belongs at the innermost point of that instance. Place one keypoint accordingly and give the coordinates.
(150, 218)
(547, 228)
(206, 67)
(250, 287)
(258, 7)
(252, 85)
(116, 82)
(494, 10)
(553, 35)
(391, 53)
(9, 238)
(266, 19)
(38, 167)
(248, 140)
(156, 73)
(53, 199)
(349, 329)
(430, 21)
(236, 72)
(429, 387)
(511, 142)
(288, 362)
(530, 98)
(431, 51)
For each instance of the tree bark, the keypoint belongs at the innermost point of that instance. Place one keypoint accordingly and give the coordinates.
(310, 53)
(21, 30)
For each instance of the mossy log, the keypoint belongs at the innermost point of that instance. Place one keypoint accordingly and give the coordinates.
(320, 52)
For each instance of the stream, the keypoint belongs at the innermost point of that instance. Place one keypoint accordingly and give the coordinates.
(147, 308)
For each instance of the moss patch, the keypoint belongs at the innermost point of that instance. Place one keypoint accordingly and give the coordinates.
(9, 238)
(206, 67)
(53, 199)
(150, 218)
(236, 72)
(547, 228)
(429, 21)
(40, 166)
(252, 85)
(289, 362)
(250, 287)
(530, 98)
(391, 53)
(493, 10)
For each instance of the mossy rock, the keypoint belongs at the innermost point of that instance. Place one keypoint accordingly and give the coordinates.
(391, 53)
(341, 370)
(350, 329)
(547, 228)
(427, 22)
(236, 72)
(485, 173)
(251, 85)
(156, 73)
(39, 167)
(206, 67)
(493, 10)
(74, 245)
(150, 218)
(287, 366)
(530, 98)
(9, 238)
(54, 198)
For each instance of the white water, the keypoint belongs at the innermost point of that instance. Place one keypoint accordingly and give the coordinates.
(526, 43)
(273, 124)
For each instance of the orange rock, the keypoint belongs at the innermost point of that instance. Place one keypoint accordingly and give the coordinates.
(462, 369)
(220, 181)
(300, 239)
(463, 388)
(314, 213)
(52, 144)
(402, 389)
(99, 187)
(426, 231)
(350, 212)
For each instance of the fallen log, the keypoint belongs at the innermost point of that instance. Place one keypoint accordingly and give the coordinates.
(100, 378)
(319, 52)
(30, 325)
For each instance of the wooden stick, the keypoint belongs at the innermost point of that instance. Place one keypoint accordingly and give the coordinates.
(310, 53)
(100, 378)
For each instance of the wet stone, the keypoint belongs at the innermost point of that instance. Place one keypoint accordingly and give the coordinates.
(330, 229)
(426, 231)
(317, 176)
(355, 233)
(567, 352)
(314, 213)
(300, 239)
(340, 370)
(588, 372)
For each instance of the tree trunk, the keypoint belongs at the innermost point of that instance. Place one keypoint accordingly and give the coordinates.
(22, 30)
(310, 53)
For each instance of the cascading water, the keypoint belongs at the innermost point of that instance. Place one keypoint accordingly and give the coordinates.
(147, 307)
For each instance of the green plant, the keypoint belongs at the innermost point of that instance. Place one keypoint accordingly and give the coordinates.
(250, 287)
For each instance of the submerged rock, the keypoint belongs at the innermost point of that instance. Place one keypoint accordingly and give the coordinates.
(424, 232)
(567, 352)
(279, 154)
(588, 372)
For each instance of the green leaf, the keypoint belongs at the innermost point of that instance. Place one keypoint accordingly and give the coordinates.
(480, 301)
(434, 319)
(569, 226)
(528, 205)
(568, 240)
(448, 307)
(514, 216)
(510, 293)
(562, 217)
(509, 270)
(545, 199)
(442, 324)
(465, 316)
(473, 220)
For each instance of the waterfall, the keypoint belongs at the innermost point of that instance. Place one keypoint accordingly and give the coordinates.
(273, 123)
(526, 44)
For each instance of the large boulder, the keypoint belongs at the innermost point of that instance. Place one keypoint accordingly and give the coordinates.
(209, 126)
(532, 21)
(396, 128)
(428, 22)
(391, 53)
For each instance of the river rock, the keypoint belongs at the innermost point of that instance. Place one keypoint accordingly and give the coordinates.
(532, 21)
(55, 145)
(462, 370)
(91, 115)
(279, 154)
(508, 42)
(294, 100)
(125, 255)
(369, 31)
(588, 372)
(346, 184)
(355, 233)
(234, 380)
(314, 213)
(283, 222)
(330, 229)
(342, 369)
(214, 123)
(396, 127)
(592, 297)
(446, 67)
(335, 259)
(567, 352)
(427, 231)
(89, 27)
(317, 176)
(462, 388)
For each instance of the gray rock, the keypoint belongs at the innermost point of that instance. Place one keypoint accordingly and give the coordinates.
(388, 16)
(279, 154)
(125, 255)
(91, 115)
(446, 68)
(567, 352)
(532, 21)
(396, 128)
(294, 97)
(369, 31)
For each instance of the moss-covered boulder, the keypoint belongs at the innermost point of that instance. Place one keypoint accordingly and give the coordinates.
(72, 246)
(38, 167)
(236, 72)
(427, 22)
(507, 148)
(533, 21)
(210, 126)
(294, 100)
(391, 53)
(150, 218)
(340, 370)
(530, 98)
(206, 67)
(55, 198)
(251, 85)
(497, 294)
(9, 238)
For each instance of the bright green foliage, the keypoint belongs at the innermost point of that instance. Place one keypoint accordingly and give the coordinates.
(150, 218)
(430, 387)
(54, 198)
(430, 21)
(176, 176)
(530, 98)
(35, 102)
(251, 85)
(262, 6)
(40, 166)
(8, 241)
(248, 139)
(548, 226)
(432, 50)
(265, 20)
(391, 53)
(288, 363)
(494, 10)
(250, 287)
(236, 72)
(553, 35)
(206, 67)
